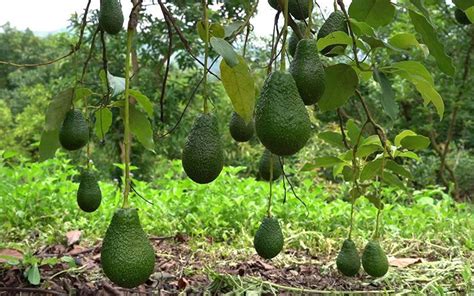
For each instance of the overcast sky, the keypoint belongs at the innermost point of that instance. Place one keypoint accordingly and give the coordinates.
(52, 15)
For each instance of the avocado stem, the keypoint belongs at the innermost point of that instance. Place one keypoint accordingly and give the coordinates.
(269, 210)
(310, 20)
(285, 34)
(205, 20)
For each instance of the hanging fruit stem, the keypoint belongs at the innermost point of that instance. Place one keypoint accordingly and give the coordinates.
(285, 34)
(205, 20)
(379, 211)
(310, 20)
(127, 135)
(269, 210)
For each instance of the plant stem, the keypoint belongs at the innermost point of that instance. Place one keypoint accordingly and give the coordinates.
(352, 220)
(206, 51)
(310, 20)
(269, 210)
(127, 135)
(285, 34)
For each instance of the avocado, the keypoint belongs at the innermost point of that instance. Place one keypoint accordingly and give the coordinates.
(294, 39)
(335, 22)
(239, 129)
(348, 259)
(127, 257)
(111, 16)
(274, 4)
(268, 240)
(308, 72)
(203, 153)
(74, 133)
(264, 166)
(89, 195)
(461, 17)
(299, 9)
(281, 120)
(374, 260)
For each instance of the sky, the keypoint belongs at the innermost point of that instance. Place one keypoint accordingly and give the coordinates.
(48, 16)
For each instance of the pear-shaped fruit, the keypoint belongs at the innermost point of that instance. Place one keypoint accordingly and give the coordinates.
(299, 9)
(111, 16)
(203, 153)
(89, 195)
(461, 17)
(239, 129)
(74, 133)
(374, 260)
(281, 120)
(308, 72)
(127, 257)
(348, 259)
(268, 240)
(264, 166)
(336, 21)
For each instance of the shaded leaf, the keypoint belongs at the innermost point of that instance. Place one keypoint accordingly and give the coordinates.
(371, 169)
(141, 128)
(49, 143)
(376, 201)
(341, 82)
(398, 169)
(354, 132)
(82, 92)
(391, 179)
(332, 138)
(57, 110)
(388, 95)
(103, 121)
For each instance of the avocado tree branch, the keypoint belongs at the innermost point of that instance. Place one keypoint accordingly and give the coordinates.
(351, 31)
(167, 69)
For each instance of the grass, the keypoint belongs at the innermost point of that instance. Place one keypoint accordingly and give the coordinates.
(38, 201)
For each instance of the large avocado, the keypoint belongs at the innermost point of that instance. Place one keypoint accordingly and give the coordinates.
(89, 195)
(264, 166)
(281, 120)
(308, 72)
(348, 259)
(74, 133)
(111, 16)
(335, 22)
(239, 129)
(461, 17)
(374, 260)
(203, 153)
(268, 240)
(299, 9)
(127, 257)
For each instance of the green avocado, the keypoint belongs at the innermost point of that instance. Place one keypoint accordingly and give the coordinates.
(281, 119)
(335, 22)
(374, 260)
(274, 4)
(264, 166)
(308, 72)
(268, 241)
(348, 259)
(111, 16)
(461, 17)
(239, 129)
(203, 153)
(74, 133)
(299, 9)
(127, 257)
(89, 195)
(294, 39)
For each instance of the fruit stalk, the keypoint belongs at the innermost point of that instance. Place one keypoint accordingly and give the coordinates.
(285, 33)
(310, 20)
(269, 210)
(205, 19)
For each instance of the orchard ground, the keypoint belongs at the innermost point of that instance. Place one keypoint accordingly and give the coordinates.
(203, 235)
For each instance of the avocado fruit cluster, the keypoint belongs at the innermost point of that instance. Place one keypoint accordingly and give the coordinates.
(461, 17)
(239, 129)
(89, 195)
(336, 21)
(203, 153)
(264, 166)
(374, 260)
(281, 119)
(348, 259)
(127, 257)
(308, 71)
(268, 240)
(299, 9)
(111, 16)
(74, 132)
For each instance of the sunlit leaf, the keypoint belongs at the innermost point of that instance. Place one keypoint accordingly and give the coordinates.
(143, 100)
(141, 128)
(103, 121)
(374, 12)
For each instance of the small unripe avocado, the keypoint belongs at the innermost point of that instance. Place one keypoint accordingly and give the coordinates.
(461, 17)
(336, 21)
(203, 153)
(89, 195)
(239, 129)
(268, 240)
(74, 133)
(374, 260)
(348, 259)
(308, 72)
(127, 256)
(281, 119)
(111, 16)
(264, 166)
(299, 9)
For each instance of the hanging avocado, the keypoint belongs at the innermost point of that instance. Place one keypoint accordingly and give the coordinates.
(239, 129)
(111, 16)
(74, 132)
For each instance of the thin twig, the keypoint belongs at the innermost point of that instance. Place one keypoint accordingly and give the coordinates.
(167, 69)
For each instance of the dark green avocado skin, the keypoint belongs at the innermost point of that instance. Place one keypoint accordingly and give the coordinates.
(299, 9)
(281, 119)
(89, 195)
(264, 166)
(335, 22)
(111, 16)
(74, 132)
(239, 129)
(461, 17)
(308, 72)
(203, 153)
(374, 260)
(268, 241)
(348, 259)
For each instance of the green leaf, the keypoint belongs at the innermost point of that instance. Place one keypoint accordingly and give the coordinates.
(428, 34)
(398, 169)
(57, 110)
(33, 275)
(376, 13)
(391, 179)
(376, 201)
(82, 92)
(421, 7)
(327, 161)
(388, 95)
(49, 143)
(463, 4)
(240, 87)
(362, 28)
(341, 82)
(366, 150)
(231, 28)
(103, 121)
(353, 131)
(141, 128)
(407, 154)
(415, 142)
(224, 49)
(332, 138)
(143, 100)
(404, 41)
(334, 38)
(403, 134)
(470, 13)
(215, 30)
(371, 169)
